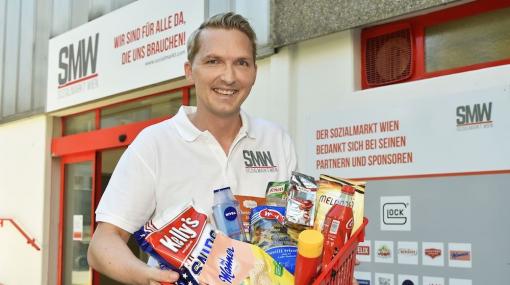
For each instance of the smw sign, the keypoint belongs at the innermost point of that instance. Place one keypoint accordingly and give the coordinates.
(474, 116)
(78, 61)
(89, 62)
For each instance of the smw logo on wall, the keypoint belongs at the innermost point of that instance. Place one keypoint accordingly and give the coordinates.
(474, 116)
(77, 63)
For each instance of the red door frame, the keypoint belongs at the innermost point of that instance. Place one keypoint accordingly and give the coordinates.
(79, 157)
(87, 147)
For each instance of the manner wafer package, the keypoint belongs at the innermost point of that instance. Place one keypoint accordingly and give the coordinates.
(180, 239)
(234, 262)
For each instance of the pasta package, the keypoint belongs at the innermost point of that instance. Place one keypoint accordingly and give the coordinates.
(234, 262)
(267, 231)
(180, 239)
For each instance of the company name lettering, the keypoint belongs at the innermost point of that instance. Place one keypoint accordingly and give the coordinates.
(178, 237)
(76, 61)
(226, 266)
(474, 114)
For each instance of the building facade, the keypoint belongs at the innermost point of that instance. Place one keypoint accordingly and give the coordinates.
(417, 77)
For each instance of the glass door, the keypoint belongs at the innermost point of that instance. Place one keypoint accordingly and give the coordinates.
(107, 160)
(77, 218)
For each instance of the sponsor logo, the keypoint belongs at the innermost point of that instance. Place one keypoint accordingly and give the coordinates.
(230, 213)
(363, 250)
(474, 116)
(363, 282)
(270, 214)
(408, 251)
(180, 236)
(78, 62)
(395, 213)
(433, 252)
(277, 189)
(226, 266)
(258, 161)
(463, 255)
(384, 252)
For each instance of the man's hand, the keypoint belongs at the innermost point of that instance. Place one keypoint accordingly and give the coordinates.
(162, 277)
(109, 254)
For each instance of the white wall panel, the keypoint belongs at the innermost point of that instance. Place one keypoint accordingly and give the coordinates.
(26, 53)
(23, 149)
(11, 57)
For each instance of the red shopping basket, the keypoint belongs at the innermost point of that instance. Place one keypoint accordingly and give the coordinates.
(341, 269)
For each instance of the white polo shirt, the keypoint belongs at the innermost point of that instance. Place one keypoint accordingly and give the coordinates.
(171, 162)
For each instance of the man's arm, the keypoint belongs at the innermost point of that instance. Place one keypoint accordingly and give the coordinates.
(109, 254)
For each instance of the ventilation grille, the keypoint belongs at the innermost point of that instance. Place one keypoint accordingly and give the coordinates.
(389, 58)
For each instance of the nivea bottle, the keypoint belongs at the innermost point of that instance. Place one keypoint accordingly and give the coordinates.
(227, 215)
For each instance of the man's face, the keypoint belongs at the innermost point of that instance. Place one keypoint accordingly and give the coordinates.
(223, 72)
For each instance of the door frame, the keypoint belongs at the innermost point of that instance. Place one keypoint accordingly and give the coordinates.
(69, 159)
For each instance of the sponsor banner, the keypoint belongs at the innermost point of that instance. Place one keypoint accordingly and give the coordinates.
(383, 251)
(364, 251)
(363, 278)
(387, 135)
(459, 255)
(407, 252)
(141, 44)
(396, 213)
(432, 253)
(408, 280)
(429, 280)
(384, 279)
(455, 281)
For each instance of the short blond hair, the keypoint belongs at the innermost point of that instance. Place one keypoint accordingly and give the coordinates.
(227, 21)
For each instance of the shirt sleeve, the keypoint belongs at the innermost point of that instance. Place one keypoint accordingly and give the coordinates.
(129, 199)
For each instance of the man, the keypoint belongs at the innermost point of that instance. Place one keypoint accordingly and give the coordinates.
(195, 152)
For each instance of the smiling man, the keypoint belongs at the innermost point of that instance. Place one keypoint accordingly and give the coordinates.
(202, 148)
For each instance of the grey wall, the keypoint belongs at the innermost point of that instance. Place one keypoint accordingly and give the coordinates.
(297, 20)
(25, 29)
(462, 209)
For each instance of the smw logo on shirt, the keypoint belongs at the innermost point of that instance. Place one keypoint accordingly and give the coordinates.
(258, 161)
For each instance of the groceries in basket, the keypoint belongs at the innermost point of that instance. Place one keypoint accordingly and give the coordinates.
(233, 262)
(227, 214)
(246, 203)
(183, 240)
(180, 239)
(338, 224)
(301, 201)
(267, 231)
(308, 262)
(277, 193)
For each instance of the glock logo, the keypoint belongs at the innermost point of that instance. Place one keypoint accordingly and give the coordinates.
(395, 213)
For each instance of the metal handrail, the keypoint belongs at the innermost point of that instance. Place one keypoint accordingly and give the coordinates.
(30, 241)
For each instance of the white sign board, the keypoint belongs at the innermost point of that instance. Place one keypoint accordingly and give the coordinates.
(140, 44)
(435, 134)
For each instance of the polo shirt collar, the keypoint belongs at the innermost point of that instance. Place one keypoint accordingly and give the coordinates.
(189, 132)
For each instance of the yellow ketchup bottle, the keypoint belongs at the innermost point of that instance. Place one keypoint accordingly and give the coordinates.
(308, 260)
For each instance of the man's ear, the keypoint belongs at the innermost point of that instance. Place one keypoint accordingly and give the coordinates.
(188, 71)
